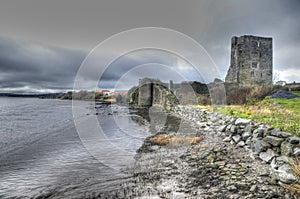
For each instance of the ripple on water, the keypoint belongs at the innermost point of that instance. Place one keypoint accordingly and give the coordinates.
(43, 154)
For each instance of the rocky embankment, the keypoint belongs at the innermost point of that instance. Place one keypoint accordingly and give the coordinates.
(271, 146)
(236, 158)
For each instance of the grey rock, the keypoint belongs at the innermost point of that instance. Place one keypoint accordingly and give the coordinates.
(241, 121)
(258, 133)
(241, 144)
(227, 139)
(260, 146)
(222, 128)
(253, 188)
(286, 148)
(248, 141)
(279, 161)
(246, 135)
(280, 134)
(285, 175)
(232, 120)
(275, 141)
(294, 140)
(239, 131)
(231, 188)
(248, 128)
(242, 126)
(233, 129)
(296, 151)
(267, 156)
(264, 172)
(228, 127)
(236, 138)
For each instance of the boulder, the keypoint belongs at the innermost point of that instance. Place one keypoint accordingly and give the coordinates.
(267, 156)
(285, 175)
(241, 121)
(280, 134)
(275, 141)
(260, 146)
(279, 161)
(246, 135)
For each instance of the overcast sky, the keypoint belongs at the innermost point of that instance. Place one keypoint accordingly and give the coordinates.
(42, 43)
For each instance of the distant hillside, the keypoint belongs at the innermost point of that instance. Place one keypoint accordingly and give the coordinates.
(35, 95)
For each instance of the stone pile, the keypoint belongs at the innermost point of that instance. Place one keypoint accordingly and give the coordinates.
(282, 94)
(272, 146)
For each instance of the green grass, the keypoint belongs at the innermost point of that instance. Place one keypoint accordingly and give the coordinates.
(291, 104)
(279, 113)
(296, 92)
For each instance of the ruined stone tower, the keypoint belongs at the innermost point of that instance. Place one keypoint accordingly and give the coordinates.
(251, 61)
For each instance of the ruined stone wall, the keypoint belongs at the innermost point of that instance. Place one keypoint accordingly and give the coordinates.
(251, 61)
(145, 92)
(152, 91)
(272, 146)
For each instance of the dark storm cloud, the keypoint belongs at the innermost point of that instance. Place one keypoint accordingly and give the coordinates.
(31, 66)
(133, 66)
(83, 24)
(34, 65)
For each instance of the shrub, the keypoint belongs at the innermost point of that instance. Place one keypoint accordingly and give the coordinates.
(246, 95)
(237, 95)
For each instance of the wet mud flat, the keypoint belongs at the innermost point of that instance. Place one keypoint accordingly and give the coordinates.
(208, 169)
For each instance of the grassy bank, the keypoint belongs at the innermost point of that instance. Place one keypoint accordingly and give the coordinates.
(280, 113)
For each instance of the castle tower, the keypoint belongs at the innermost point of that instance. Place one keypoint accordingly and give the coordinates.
(251, 61)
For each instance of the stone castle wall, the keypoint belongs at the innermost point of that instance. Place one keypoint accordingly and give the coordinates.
(251, 61)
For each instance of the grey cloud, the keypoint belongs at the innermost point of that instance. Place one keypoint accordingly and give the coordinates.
(83, 24)
(37, 65)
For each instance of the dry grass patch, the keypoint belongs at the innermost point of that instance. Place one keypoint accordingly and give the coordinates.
(294, 188)
(163, 140)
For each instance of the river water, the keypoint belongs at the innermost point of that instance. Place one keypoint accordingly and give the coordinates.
(42, 155)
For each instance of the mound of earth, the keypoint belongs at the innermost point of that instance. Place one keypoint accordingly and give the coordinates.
(284, 95)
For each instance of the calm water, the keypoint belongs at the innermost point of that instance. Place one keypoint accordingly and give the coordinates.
(41, 153)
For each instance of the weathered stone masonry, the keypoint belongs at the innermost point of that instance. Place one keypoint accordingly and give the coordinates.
(251, 61)
(270, 145)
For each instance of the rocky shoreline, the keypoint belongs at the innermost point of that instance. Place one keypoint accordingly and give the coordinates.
(217, 167)
(210, 169)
